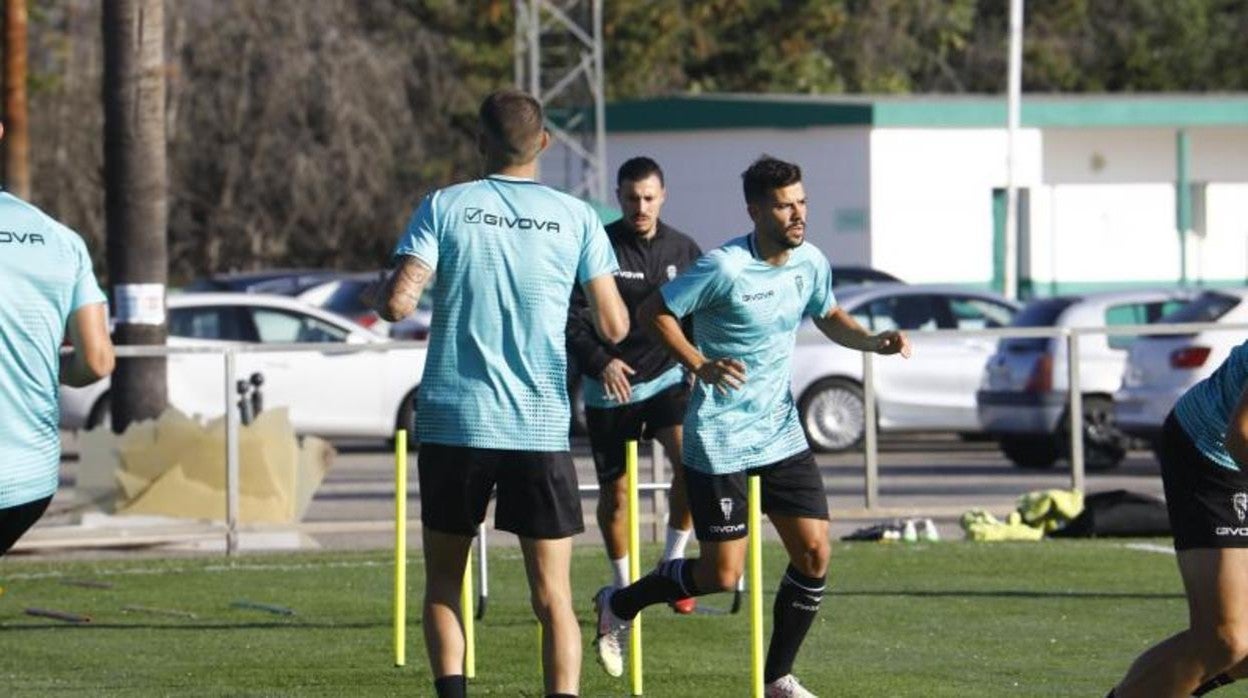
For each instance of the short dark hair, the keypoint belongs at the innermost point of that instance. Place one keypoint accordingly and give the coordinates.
(512, 123)
(767, 174)
(637, 169)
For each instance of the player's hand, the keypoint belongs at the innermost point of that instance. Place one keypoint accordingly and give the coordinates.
(893, 342)
(724, 374)
(615, 381)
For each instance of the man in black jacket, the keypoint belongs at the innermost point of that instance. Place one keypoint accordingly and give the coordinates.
(635, 389)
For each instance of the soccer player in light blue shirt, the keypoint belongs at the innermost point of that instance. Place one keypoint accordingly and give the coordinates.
(1203, 454)
(46, 289)
(746, 299)
(492, 412)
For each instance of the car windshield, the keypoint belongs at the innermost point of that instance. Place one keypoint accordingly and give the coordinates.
(1039, 313)
(345, 299)
(1209, 306)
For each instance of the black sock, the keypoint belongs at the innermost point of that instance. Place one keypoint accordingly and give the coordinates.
(1216, 682)
(672, 581)
(453, 686)
(797, 602)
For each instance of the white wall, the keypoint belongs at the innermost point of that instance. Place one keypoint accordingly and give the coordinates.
(931, 199)
(1222, 253)
(1108, 232)
(703, 171)
(1120, 155)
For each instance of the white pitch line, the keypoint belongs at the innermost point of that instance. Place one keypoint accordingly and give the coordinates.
(1150, 548)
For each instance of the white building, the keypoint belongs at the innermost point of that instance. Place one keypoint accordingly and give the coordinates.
(915, 185)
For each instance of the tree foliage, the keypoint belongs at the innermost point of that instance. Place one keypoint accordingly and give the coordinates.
(302, 133)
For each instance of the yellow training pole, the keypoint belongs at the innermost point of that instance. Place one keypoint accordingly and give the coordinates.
(634, 560)
(756, 586)
(466, 613)
(400, 547)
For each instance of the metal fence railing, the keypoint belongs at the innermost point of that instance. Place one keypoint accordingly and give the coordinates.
(658, 487)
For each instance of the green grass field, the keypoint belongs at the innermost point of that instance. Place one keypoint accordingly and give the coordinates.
(945, 619)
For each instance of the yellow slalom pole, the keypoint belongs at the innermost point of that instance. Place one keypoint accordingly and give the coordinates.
(400, 547)
(466, 613)
(756, 586)
(634, 560)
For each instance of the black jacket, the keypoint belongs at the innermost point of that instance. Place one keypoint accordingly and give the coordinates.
(645, 265)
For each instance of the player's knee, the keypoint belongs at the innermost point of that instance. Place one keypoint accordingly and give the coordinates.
(548, 604)
(725, 577)
(814, 558)
(1224, 646)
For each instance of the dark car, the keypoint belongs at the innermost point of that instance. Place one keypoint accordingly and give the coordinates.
(284, 282)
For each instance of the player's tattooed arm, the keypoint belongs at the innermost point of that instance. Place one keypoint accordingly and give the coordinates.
(723, 373)
(840, 327)
(1237, 431)
(402, 290)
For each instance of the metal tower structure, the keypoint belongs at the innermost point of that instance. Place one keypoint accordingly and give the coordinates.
(559, 61)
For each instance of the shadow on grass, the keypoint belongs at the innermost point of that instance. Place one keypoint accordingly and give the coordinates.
(1006, 594)
(78, 627)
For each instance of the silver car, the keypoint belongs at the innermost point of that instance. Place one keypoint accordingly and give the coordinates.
(1162, 367)
(1024, 393)
(934, 391)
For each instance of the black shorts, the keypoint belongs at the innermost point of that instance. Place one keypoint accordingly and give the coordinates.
(790, 487)
(1208, 503)
(537, 491)
(610, 427)
(16, 520)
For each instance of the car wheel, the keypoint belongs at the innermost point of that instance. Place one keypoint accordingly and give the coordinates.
(407, 418)
(833, 414)
(101, 413)
(1104, 446)
(1031, 452)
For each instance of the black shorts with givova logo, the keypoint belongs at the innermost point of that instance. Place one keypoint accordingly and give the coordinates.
(537, 493)
(790, 487)
(1208, 503)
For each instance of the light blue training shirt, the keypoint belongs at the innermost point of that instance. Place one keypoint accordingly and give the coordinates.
(1205, 409)
(506, 252)
(595, 394)
(45, 275)
(744, 308)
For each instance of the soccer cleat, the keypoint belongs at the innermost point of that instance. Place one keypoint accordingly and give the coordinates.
(786, 687)
(684, 606)
(612, 634)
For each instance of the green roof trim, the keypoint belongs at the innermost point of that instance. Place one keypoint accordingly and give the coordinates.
(729, 111)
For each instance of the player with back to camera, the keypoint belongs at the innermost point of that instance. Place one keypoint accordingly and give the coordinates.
(1204, 457)
(47, 291)
(747, 299)
(634, 388)
(492, 413)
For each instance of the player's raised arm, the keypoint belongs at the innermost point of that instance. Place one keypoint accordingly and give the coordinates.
(838, 326)
(723, 373)
(93, 356)
(402, 290)
(607, 308)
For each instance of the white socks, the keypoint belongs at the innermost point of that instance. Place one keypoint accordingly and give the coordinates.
(619, 568)
(676, 542)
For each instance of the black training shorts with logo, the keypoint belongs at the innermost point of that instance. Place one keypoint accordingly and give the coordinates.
(1208, 503)
(610, 427)
(536, 491)
(790, 487)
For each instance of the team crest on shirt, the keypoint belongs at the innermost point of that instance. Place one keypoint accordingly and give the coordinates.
(1239, 501)
(725, 505)
(671, 272)
(800, 283)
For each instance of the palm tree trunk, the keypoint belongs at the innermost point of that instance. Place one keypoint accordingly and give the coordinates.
(135, 198)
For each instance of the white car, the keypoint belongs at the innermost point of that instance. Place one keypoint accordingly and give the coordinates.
(1024, 393)
(1160, 368)
(933, 391)
(361, 394)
